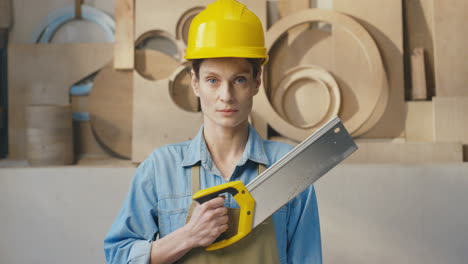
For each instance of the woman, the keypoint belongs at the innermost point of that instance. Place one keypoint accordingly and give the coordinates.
(226, 46)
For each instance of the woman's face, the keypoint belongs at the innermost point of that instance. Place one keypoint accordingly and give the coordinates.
(226, 88)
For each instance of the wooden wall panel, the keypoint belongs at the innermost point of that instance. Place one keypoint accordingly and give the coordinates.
(419, 33)
(451, 120)
(287, 7)
(157, 120)
(419, 121)
(124, 50)
(43, 74)
(451, 47)
(86, 145)
(363, 103)
(383, 20)
(29, 14)
(311, 46)
(418, 75)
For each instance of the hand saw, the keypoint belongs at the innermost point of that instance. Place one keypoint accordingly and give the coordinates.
(285, 179)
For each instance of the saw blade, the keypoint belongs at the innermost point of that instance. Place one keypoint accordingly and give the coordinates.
(300, 168)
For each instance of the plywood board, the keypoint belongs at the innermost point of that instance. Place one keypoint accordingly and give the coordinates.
(157, 120)
(386, 151)
(287, 7)
(450, 47)
(311, 47)
(418, 17)
(49, 135)
(419, 121)
(31, 82)
(111, 102)
(418, 75)
(29, 14)
(110, 108)
(387, 29)
(169, 13)
(362, 103)
(86, 145)
(307, 96)
(451, 119)
(124, 50)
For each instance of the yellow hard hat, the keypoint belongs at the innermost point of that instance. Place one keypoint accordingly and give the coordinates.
(226, 28)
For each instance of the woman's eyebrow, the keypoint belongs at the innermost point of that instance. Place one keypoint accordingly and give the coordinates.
(210, 73)
(235, 74)
(243, 72)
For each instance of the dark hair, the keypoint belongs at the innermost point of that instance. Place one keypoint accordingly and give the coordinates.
(255, 62)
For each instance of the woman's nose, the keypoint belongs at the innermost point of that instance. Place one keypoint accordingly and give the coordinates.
(226, 92)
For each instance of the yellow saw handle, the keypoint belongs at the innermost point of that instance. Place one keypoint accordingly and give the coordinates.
(245, 201)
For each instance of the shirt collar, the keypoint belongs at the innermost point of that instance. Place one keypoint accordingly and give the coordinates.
(198, 151)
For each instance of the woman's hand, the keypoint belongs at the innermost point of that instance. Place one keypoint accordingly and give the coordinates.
(208, 221)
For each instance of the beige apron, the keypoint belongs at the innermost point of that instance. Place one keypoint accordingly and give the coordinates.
(259, 246)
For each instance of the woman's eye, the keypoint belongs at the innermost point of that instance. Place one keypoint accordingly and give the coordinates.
(212, 81)
(241, 80)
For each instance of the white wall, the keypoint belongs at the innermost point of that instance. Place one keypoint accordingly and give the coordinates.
(369, 213)
(395, 214)
(58, 215)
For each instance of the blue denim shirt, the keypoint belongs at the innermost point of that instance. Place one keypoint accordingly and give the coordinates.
(160, 195)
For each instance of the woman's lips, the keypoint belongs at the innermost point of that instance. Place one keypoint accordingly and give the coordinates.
(228, 112)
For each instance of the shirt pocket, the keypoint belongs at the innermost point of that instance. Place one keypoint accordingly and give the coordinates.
(172, 213)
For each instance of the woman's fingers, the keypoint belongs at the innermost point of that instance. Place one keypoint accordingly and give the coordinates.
(214, 203)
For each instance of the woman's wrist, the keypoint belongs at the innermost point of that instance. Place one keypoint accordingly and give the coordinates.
(188, 238)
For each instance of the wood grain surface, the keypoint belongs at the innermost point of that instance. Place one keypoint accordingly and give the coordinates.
(124, 49)
(450, 47)
(383, 20)
(418, 75)
(111, 99)
(31, 82)
(157, 120)
(419, 33)
(308, 96)
(49, 135)
(371, 92)
(287, 7)
(419, 126)
(451, 118)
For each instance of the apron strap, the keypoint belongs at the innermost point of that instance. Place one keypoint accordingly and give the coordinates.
(195, 187)
(261, 168)
(195, 178)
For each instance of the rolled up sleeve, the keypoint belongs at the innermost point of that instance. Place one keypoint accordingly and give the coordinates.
(135, 228)
(304, 240)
